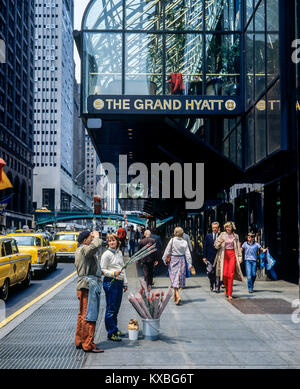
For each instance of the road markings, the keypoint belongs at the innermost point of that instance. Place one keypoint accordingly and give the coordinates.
(21, 310)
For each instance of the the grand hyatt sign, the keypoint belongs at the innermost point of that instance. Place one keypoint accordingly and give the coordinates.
(175, 105)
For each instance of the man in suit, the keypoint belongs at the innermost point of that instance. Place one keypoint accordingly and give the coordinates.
(209, 254)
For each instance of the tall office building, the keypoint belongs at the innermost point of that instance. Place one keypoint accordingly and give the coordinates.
(92, 164)
(53, 104)
(16, 107)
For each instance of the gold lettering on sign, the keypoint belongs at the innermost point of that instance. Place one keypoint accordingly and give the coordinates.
(148, 104)
(109, 103)
(176, 104)
(205, 105)
(138, 104)
(158, 104)
(189, 105)
(198, 104)
(298, 106)
(126, 104)
(167, 104)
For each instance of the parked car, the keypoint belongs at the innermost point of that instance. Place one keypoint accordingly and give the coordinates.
(65, 243)
(15, 266)
(38, 245)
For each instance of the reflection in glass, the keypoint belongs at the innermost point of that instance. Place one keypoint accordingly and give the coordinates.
(103, 63)
(249, 152)
(223, 15)
(272, 56)
(144, 14)
(260, 17)
(184, 63)
(239, 146)
(184, 15)
(274, 121)
(259, 62)
(249, 9)
(104, 15)
(143, 64)
(232, 143)
(249, 69)
(272, 15)
(222, 64)
(260, 130)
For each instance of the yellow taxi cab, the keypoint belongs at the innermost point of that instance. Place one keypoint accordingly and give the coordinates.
(38, 245)
(15, 266)
(65, 244)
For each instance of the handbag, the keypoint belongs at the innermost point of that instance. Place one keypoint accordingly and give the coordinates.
(169, 256)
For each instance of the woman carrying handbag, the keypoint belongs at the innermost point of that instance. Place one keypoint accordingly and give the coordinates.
(174, 257)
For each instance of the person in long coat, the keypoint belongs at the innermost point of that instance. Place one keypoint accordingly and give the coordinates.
(228, 258)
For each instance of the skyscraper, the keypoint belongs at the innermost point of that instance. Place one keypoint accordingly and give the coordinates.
(16, 107)
(53, 104)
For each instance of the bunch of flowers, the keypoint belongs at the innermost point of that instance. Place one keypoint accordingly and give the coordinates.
(149, 305)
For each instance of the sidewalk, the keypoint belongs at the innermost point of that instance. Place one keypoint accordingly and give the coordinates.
(207, 331)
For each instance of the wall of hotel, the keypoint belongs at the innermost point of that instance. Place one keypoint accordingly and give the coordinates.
(200, 40)
(262, 81)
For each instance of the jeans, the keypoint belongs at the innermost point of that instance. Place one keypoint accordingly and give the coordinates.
(251, 273)
(113, 292)
(94, 299)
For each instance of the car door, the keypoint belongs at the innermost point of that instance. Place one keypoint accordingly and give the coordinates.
(17, 259)
(5, 265)
(12, 267)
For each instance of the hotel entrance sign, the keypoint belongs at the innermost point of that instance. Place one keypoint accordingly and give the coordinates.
(164, 105)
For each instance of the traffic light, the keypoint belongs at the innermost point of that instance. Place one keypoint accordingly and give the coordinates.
(97, 205)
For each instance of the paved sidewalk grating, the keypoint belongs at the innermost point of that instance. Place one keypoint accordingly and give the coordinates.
(45, 340)
(263, 306)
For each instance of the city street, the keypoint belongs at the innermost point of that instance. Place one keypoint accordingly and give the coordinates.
(19, 296)
(205, 332)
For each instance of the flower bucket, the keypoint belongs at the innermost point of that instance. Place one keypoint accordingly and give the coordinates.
(133, 334)
(151, 329)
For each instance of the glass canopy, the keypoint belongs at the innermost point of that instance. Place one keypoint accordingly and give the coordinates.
(161, 47)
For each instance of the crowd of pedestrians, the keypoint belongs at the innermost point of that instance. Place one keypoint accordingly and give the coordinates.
(222, 254)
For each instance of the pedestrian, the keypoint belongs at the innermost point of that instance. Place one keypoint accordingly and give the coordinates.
(157, 238)
(251, 250)
(174, 257)
(114, 284)
(209, 255)
(150, 260)
(122, 237)
(88, 289)
(228, 258)
(131, 240)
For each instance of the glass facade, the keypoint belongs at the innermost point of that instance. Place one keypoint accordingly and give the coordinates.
(262, 80)
(161, 47)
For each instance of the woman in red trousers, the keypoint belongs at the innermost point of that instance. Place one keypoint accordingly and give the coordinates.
(228, 258)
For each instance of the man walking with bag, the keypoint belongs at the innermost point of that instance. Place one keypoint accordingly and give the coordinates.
(88, 290)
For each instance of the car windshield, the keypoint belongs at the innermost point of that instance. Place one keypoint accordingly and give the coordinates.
(25, 240)
(65, 237)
